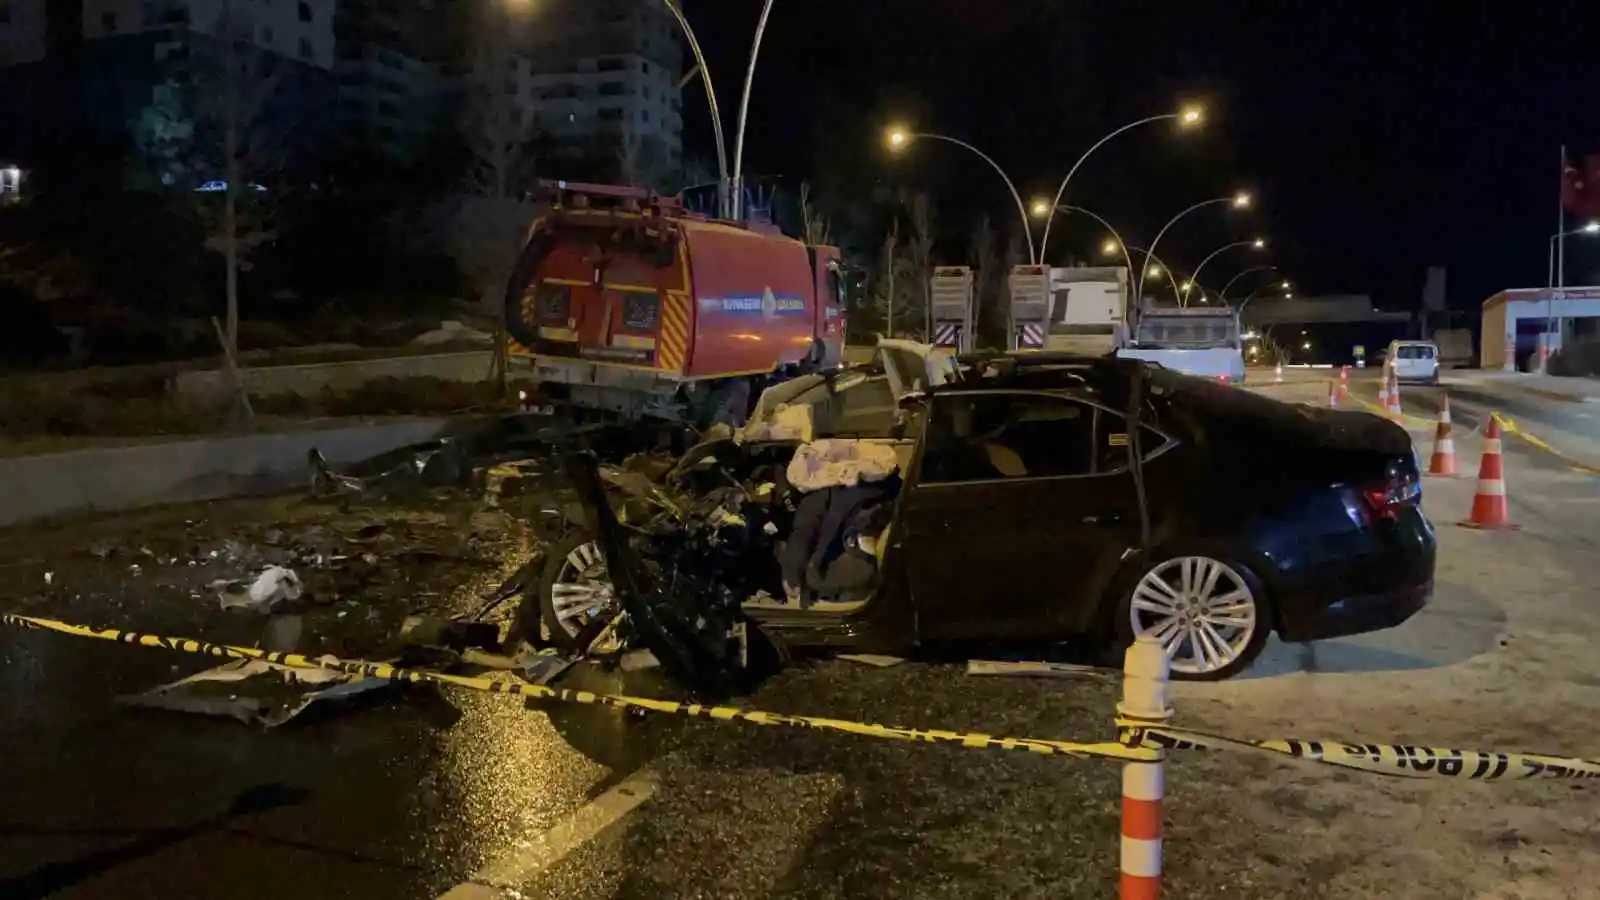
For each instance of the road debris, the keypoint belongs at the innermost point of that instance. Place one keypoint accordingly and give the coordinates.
(274, 585)
(254, 692)
(1033, 669)
(875, 660)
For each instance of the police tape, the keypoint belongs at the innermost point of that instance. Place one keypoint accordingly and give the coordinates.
(1509, 426)
(971, 740)
(1396, 760)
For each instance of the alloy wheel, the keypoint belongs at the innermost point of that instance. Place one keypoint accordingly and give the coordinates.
(1200, 609)
(582, 589)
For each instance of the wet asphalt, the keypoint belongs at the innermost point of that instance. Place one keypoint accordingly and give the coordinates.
(407, 793)
(399, 794)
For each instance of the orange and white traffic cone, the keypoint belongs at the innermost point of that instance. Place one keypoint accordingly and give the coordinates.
(1489, 503)
(1333, 395)
(1443, 462)
(1383, 391)
(1393, 409)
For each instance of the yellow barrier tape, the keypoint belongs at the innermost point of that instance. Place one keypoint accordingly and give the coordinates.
(1104, 749)
(1397, 760)
(1509, 425)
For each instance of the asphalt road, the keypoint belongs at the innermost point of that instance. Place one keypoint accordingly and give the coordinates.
(428, 794)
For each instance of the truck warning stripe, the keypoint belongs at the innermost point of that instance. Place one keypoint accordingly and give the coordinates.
(674, 349)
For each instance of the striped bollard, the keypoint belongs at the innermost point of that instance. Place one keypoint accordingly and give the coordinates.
(1144, 699)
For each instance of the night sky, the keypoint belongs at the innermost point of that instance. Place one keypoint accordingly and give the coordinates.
(1378, 139)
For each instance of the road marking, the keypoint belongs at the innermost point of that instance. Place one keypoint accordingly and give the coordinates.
(518, 866)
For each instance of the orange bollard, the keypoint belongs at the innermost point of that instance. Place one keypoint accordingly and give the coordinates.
(1489, 510)
(1443, 462)
(1144, 698)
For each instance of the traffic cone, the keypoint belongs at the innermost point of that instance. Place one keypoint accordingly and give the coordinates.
(1277, 374)
(1333, 395)
(1443, 462)
(1394, 397)
(1383, 391)
(1344, 383)
(1489, 503)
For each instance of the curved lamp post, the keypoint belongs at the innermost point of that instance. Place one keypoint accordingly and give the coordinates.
(1120, 243)
(1238, 201)
(1257, 243)
(723, 198)
(1187, 117)
(1234, 280)
(900, 139)
(744, 107)
(1145, 270)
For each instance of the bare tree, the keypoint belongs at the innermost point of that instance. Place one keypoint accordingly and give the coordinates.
(888, 261)
(498, 130)
(816, 225)
(985, 257)
(497, 126)
(919, 248)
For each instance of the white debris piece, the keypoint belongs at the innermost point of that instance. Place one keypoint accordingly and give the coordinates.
(274, 585)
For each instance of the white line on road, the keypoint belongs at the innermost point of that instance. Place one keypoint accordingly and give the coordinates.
(579, 827)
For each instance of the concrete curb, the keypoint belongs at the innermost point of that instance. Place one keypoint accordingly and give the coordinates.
(117, 479)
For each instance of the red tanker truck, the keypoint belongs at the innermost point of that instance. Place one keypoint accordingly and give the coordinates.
(623, 301)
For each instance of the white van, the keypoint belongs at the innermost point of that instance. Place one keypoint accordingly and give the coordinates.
(1416, 362)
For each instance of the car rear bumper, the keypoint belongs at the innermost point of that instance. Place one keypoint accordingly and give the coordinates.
(1359, 614)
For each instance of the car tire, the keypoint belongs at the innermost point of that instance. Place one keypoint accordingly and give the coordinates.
(558, 566)
(1233, 579)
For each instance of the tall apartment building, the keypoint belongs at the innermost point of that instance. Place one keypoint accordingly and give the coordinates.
(92, 67)
(397, 65)
(24, 36)
(602, 75)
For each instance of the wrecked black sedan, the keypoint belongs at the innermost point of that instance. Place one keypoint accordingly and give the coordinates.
(1028, 498)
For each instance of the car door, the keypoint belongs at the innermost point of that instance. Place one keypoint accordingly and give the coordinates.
(1009, 531)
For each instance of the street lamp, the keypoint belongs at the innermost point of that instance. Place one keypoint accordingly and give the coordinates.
(899, 139)
(1556, 280)
(723, 210)
(1109, 247)
(1239, 200)
(744, 107)
(1258, 244)
(1236, 278)
(1188, 117)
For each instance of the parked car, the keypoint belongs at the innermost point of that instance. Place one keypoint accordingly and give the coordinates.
(1415, 362)
(1038, 497)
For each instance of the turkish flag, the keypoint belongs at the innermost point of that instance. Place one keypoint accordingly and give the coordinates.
(1580, 186)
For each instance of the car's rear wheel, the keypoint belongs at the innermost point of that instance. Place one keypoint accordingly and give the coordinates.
(1210, 616)
(574, 590)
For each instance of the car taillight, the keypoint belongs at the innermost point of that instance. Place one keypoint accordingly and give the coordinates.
(1385, 499)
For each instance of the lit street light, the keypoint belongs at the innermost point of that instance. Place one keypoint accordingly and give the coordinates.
(1557, 280)
(1258, 243)
(899, 139)
(1240, 200)
(1109, 247)
(1188, 117)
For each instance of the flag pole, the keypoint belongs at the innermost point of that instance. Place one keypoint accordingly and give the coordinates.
(1561, 265)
